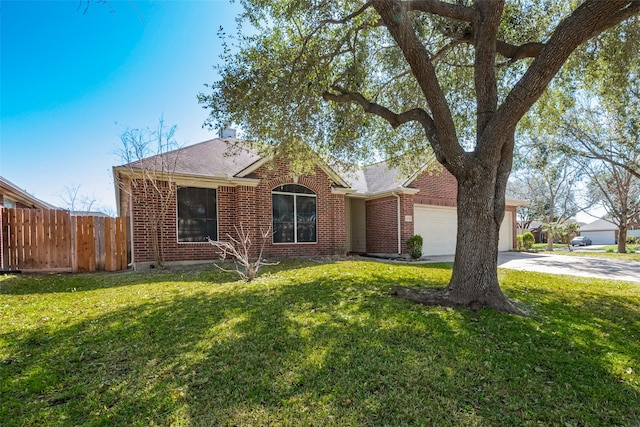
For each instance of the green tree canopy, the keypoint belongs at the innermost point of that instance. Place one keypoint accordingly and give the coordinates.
(358, 79)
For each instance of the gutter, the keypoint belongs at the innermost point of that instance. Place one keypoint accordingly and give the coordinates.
(393, 193)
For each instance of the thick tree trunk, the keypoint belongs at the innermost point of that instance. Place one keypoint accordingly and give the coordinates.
(474, 283)
(475, 272)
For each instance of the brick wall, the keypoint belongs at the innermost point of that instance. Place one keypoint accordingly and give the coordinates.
(406, 210)
(437, 187)
(249, 207)
(143, 205)
(382, 225)
(331, 220)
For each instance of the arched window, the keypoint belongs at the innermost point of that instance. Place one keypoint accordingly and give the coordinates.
(294, 214)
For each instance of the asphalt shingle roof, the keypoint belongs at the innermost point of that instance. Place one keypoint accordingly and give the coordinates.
(209, 158)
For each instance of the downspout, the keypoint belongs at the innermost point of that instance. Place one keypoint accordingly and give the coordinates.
(399, 224)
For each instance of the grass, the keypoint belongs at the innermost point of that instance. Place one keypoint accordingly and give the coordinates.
(319, 344)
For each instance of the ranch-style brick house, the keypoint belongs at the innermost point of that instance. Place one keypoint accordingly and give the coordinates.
(374, 210)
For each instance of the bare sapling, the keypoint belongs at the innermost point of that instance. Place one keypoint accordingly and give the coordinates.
(239, 250)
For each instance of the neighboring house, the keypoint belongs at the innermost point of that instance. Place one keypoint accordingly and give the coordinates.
(12, 196)
(601, 232)
(373, 210)
(535, 228)
(89, 213)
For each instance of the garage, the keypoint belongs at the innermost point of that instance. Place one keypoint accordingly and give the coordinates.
(438, 227)
(607, 237)
(601, 232)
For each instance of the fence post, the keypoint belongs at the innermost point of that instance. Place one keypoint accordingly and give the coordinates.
(4, 223)
(73, 224)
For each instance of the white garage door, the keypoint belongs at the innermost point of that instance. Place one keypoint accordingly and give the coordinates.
(600, 237)
(438, 228)
(505, 241)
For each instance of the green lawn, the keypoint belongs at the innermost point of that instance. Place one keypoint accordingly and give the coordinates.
(318, 344)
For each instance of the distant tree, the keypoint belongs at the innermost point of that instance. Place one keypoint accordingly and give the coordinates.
(606, 132)
(547, 178)
(617, 190)
(74, 201)
(564, 231)
(396, 76)
(605, 125)
(150, 177)
(596, 119)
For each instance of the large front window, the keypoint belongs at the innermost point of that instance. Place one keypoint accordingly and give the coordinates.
(294, 214)
(197, 214)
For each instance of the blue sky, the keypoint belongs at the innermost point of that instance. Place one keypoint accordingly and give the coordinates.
(71, 83)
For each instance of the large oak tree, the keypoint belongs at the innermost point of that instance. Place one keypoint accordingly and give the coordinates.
(358, 79)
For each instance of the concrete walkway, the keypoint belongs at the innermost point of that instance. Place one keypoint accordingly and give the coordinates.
(602, 268)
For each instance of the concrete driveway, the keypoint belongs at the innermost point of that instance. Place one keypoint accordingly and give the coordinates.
(603, 268)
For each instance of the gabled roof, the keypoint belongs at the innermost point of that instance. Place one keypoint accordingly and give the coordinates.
(88, 213)
(12, 191)
(211, 158)
(228, 158)
(380, 178)
(217, 158)
(599, 225)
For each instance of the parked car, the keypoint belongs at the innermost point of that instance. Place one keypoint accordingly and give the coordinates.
(581, 241)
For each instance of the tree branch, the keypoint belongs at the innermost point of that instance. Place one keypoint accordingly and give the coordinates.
(440, 8)
(349, 17)
(510, 51)
(394, 119)
(444, 139)
(486, 25)
(515, 52)
(590, 18)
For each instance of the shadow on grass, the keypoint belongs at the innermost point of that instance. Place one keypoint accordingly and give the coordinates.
(335, 350)
(42, 283)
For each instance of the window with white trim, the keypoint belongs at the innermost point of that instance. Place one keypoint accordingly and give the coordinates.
(294, 214)
(197, 214)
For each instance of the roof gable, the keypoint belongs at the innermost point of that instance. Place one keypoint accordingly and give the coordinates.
(229, 158)
(599, 225)
(12, 191)
(211, 158)
(216, 158)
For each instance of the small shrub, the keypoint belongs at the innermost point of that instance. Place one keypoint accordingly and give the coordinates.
(528, 240)
(610, 250)
(414, 246)
(519, 242)
(633, 240)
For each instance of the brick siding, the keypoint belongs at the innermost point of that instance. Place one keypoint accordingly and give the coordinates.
(331, 222)
(382, 225)
(249, 207)
(437, 187)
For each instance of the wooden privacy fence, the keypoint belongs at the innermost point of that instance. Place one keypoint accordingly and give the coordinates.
(53, 240)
